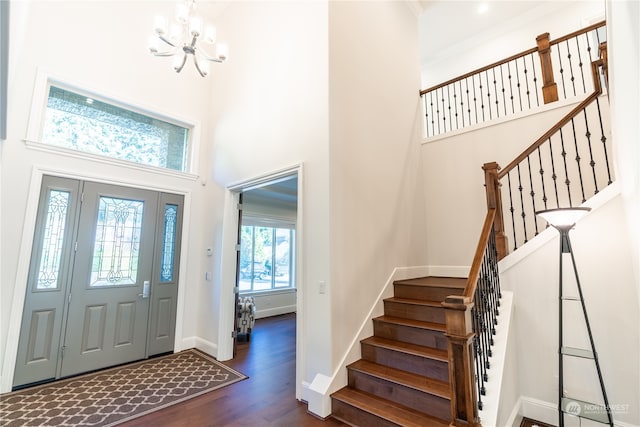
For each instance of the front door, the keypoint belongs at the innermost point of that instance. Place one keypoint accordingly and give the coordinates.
(111, 283)
(103, 279)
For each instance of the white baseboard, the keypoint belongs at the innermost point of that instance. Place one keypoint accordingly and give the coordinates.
(275, 311)
(201, 344)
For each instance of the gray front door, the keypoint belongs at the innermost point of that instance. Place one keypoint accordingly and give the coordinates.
(103, 279)
(111, 284)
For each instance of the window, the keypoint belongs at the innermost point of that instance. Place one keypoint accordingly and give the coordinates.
(266, 258)
(86, 124)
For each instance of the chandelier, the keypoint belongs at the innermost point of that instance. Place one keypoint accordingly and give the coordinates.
(180, 39)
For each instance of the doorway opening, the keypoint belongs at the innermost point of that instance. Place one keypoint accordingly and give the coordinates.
(268, 262)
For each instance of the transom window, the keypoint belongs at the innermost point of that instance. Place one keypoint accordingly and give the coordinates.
(90, 125)
(266, 258)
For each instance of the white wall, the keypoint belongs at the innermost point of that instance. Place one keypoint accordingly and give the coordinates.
(454, 183)
(99, 46)
(376, 209)
(610, 295)
(270, 109)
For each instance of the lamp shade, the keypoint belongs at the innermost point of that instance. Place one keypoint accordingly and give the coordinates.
(563, 217)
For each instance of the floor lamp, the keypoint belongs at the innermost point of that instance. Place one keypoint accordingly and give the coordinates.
(564, 219)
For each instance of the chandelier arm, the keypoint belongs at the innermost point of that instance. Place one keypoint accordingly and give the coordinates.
(184, 61)
(195, 62)
(167, 53)
(167, 41)
(206, 56)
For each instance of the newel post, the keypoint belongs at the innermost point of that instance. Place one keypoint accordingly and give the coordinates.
(464, 401)
(549, 87)
(602, 49)
(494, 201)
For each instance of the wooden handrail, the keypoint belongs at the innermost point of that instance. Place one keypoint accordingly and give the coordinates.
(480, 70)
(571, 114)
(578, 32)
(474, 273)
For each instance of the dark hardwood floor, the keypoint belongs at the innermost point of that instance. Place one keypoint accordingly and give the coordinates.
(267, 398)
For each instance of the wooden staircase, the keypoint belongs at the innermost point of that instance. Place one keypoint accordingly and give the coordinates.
(403, 376)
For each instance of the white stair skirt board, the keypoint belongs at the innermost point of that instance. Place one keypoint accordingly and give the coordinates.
(491, 402)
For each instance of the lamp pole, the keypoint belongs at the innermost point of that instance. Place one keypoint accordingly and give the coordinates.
(564, 220)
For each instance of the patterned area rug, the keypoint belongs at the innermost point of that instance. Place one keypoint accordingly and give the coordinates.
(119, 394)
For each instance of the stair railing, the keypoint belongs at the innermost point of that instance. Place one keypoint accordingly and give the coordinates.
(563, 168)
(515, 84)
(471, 317)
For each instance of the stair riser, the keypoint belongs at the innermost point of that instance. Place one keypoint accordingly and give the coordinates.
(408, 362)
(355, 416)
(407, 396)
(409, 334)
(414, 311)
(426, 293)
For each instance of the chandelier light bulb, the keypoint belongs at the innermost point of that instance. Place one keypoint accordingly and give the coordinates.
(195, 26)
(222, 51)
(153, 44)
(160, 25)
(182, 12)
(210, 34)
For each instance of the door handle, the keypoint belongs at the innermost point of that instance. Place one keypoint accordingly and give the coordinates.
(146, 289)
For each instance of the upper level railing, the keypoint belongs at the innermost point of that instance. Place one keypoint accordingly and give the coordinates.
(472, 316)
(554, 69)
(563, 168)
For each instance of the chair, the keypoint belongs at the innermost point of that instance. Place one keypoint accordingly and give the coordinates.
(246, 317)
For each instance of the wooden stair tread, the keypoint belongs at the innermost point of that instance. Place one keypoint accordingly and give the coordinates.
(425, 303)
(386, 409)
(408, 379)
(403, 347)
(436, 282)
(413, 323)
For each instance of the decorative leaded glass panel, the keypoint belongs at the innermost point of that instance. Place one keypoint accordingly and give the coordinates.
(168, 243)
(117, 242)
(86, 124)
(53, 239)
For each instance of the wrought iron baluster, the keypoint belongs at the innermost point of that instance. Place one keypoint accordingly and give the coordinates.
(438, 110)
(495, 91)
(433, 123)
(526, 80)
(455, 105)
(518, 85)
(449, 108)
(603, 139)
(554, 176)
(541, 172)
(475, 98)
(468, 101)
(486, 78)
(573, 79)
(523, 214)
(513, 107)
(426, 113)
(592, 162)
(581, 65)
(444, 113)
(533, 196)
(535, 81)
(564, 89)
(503, 90)
(512, 210)
(567, 181)
(461, 102)
(578, 158)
